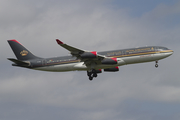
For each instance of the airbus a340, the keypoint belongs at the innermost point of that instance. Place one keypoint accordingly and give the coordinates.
(91, 61)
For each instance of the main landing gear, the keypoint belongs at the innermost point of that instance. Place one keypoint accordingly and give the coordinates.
(156, 65)
(92, 74)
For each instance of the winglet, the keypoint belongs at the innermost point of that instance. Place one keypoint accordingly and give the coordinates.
(59, 42)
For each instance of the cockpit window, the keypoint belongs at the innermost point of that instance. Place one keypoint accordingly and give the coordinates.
(166, 48)
(161, 48)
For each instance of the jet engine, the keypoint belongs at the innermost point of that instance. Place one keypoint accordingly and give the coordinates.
(92, 54)
(98, 71)
(109, 61)
(115, 69)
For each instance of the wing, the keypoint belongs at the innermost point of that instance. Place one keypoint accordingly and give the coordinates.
(74, 51)
(87, 56)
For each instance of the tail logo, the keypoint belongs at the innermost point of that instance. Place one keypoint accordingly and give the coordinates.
(24, 53)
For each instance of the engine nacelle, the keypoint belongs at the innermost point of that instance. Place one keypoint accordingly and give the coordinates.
(109, 61)
(115, 69)
(98, 71)
(92, 54)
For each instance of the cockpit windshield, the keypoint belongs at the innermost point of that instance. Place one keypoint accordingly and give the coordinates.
(161, 48)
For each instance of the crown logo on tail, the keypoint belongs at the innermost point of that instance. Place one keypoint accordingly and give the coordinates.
(24, 53)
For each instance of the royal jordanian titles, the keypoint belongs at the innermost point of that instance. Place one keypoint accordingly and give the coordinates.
(91, 61)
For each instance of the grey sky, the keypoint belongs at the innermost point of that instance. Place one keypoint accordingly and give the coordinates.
(136, 92)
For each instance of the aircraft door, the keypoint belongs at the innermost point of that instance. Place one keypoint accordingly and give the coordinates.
(43, 62)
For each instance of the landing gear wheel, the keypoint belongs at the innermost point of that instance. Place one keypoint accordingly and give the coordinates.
(90, 78)
(156, 65)
(95, 75)
(89, 73)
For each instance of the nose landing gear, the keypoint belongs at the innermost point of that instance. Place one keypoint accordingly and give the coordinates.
(156, 65)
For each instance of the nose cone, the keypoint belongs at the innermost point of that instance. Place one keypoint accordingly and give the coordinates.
(170, 52)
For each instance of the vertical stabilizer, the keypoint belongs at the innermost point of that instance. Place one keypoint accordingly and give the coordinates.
(20, 51)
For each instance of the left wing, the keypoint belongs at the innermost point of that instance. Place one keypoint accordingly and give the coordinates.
(87, 56)
(74, 51)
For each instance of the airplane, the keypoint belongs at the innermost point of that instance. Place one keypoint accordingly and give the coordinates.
(82, 60)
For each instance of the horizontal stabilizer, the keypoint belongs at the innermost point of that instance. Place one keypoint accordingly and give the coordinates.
(18, 62)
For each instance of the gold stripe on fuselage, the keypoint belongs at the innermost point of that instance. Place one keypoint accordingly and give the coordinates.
(165, 51)
(63, 62)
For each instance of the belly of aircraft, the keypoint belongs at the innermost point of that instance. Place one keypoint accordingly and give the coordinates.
(139, 59)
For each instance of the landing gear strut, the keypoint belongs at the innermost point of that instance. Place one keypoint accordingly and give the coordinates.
(156, 65)
(92, 74)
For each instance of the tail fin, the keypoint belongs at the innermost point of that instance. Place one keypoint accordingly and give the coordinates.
(20, 51)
